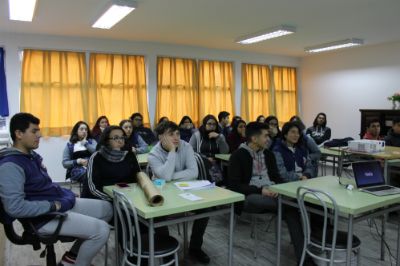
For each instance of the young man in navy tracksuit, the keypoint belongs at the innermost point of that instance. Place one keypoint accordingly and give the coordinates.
(27, 191)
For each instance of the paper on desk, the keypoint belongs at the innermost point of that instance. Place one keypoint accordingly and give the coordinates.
(194, 185)
(190, 196)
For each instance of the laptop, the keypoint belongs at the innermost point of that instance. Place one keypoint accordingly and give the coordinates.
(369, 178)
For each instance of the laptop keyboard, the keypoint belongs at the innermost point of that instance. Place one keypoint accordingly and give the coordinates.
(380, 188)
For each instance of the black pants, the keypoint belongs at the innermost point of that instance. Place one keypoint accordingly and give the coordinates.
(256, 203)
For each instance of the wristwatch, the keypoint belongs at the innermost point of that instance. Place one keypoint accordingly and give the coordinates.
(55, 206)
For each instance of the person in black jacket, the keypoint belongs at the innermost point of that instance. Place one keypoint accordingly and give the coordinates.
(145, 132)
(393, 136)
(251, 170)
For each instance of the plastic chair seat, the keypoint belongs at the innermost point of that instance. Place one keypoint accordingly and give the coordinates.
(162, 245)
(341, 239)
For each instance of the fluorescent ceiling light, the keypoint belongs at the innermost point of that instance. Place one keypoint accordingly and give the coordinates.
(266, 34)
(116, 12)
(334, 45)
(21, 10)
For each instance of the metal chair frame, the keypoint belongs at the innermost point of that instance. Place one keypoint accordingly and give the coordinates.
(324, 247)
(128, 219)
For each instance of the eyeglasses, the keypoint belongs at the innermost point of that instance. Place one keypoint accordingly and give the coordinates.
(138, 119)
(211, 124)
(115, 138)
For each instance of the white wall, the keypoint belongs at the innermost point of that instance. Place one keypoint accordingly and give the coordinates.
(340, 83)
(51, 148)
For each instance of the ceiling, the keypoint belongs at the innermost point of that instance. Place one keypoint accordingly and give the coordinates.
(217, 23)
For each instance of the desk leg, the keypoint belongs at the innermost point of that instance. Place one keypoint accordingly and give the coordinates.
(340, 164)
(230, 259)
(334, 166)
(185, 240)
(398, 245)
(116, 236)
(278, 232)
(386, 172)
(384, 219)
(151, 242)
(349, 240)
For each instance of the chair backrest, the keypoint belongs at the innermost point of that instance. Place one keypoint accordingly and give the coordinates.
(329, 209)
(203, 167)
(128, 223)
(26, 238)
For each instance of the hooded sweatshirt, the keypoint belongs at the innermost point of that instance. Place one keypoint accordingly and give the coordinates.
(26, 190)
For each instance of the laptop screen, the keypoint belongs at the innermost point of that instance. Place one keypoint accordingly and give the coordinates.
(368, 173)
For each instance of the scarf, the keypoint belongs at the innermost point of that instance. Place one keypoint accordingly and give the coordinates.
(112, 155)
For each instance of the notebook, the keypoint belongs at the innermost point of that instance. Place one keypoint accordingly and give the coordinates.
(369, 178)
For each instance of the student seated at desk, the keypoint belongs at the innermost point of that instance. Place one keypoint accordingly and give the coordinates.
(208, 141)
(393, 136)
(173, 159)
(252, 169)
(223, 125)
(237, 136)
(134, 141)
(77, 152)
(101, 124)
(291, 155)
(110, 164)
(186, 128)
(319, 131)
(145, 132)
(27, 191)
(273, 130)
(309, 144)
(373, 131)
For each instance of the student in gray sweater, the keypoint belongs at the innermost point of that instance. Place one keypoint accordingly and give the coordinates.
(173, 159)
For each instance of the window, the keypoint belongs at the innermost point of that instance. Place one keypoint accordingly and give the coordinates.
(54, 88)
(256, 92)
(119, 82)
(177, 90)
(216, 88)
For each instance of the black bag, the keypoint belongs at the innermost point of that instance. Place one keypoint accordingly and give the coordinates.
(338, 142)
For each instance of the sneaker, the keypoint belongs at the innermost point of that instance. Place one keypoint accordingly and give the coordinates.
(68, 259)
(199, 255)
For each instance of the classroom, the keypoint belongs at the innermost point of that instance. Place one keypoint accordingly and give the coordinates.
(200, 41)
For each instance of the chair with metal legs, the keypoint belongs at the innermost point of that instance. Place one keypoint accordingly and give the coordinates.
(329, 239)
(135, 244)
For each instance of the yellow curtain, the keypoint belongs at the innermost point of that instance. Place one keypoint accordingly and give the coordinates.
(216, 88)
(285, 88)
(120, 84)
(177, 91)
(54, 88)
(256, 92)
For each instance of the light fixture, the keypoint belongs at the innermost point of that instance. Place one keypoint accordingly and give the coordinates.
(116, 12)
(266, 34)
(21, 10)
(334, 45)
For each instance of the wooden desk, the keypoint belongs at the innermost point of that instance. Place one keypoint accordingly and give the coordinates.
(174, 204)
(354, 206)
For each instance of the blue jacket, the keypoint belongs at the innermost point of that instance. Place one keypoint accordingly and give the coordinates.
(26, 190)
(287, 160)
